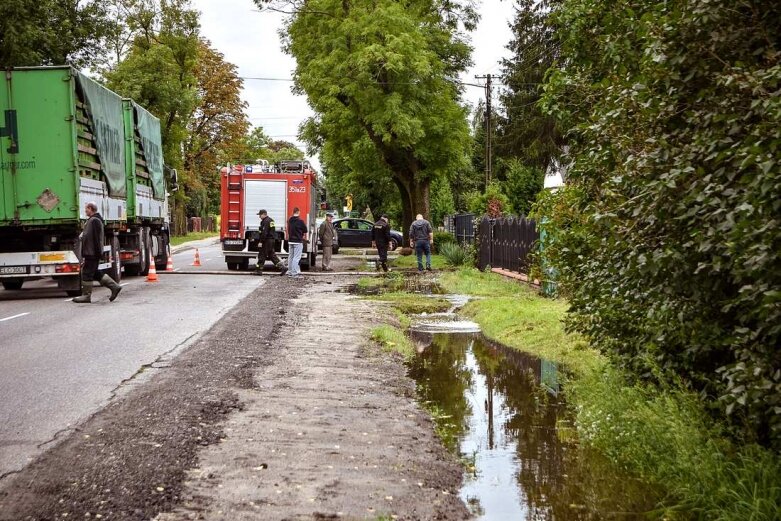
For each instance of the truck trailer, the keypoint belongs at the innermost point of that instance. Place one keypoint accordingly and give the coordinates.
(65, 141)
(247, 189)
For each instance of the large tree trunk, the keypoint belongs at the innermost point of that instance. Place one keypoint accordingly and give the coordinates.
(414, 199)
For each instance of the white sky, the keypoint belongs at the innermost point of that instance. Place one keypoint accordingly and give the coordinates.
(248, 38)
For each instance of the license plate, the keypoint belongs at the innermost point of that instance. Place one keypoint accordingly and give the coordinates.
(233, 243)
(52, 257)
(13, 270)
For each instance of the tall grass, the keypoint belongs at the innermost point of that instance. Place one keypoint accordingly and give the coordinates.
(667, 438)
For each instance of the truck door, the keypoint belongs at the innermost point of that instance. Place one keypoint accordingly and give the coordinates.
(265, 194)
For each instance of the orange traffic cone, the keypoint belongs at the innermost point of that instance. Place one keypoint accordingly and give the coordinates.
(169, 266)
(197, 261)
(152, 275)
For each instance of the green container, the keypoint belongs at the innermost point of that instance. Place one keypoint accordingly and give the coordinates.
(65, 139)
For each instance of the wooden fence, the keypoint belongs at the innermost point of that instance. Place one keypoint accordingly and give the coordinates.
(507, 243)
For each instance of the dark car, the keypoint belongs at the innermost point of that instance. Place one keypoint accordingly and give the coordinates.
(357, 233)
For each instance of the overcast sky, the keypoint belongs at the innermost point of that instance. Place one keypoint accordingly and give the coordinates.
(248, 38)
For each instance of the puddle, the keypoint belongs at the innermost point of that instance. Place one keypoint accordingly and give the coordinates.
(501, 411)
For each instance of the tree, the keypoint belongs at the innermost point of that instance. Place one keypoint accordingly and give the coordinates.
(670, 242)
(521, 185)
(377, 75)
(52, 32)
(216, 127)
(525, 131)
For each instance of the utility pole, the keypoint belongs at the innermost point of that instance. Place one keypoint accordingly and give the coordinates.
(488, 128)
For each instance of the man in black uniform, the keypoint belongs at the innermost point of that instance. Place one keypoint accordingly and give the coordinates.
(266, 244)
(92, 239)
(381, 238)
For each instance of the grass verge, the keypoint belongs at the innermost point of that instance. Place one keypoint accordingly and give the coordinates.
(412, 304)
(663, 435)
(176, 240)
(410, 261)
(393, 339)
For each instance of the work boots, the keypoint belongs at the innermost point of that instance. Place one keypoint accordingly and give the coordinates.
(86, 293)
(384, 266)
(108, 282)
(282, 269)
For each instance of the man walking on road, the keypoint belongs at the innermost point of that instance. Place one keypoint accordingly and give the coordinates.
(266, 246)
(421, 237)
(328, 238)
(297, 234)
(92, 239)
(381, 238)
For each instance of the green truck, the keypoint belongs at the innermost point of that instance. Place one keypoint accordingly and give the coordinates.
(65, 140)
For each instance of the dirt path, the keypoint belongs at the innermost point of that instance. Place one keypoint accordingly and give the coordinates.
(330, 430)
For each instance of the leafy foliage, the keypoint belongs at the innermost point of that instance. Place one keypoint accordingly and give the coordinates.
(670, 239)
(52, 32)
(377, 75)
(493, 202)
(521, 185)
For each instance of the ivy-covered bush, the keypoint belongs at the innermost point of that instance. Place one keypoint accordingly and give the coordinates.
(669, 244)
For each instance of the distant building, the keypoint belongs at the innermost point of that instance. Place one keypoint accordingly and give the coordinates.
(556, 174)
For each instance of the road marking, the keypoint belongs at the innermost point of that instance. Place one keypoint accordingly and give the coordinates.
(13, 317)
(177, 269)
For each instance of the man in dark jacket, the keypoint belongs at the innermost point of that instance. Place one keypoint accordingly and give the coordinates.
(381, 238)
(297, 234)
(266, 244)
(421, 237)
(92, 239)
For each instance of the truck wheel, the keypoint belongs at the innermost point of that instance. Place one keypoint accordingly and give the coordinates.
(233, 266)
(243, 265)
(145, 246)
(115, 271)
(73, 292)
(12, 284)
(161, 260)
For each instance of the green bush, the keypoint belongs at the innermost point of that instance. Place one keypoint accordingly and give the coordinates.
(456, 255)
(442, 238)
(670, 244)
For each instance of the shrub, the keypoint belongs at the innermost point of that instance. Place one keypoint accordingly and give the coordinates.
(442, 238)
(456, 255)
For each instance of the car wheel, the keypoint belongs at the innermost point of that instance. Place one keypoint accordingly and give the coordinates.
(392, 245)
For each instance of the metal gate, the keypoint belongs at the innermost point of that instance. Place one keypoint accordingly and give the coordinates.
(507, 243)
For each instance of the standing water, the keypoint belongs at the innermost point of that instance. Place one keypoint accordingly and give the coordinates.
(500, 410)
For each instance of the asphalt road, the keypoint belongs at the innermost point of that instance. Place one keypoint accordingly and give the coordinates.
(61, 362)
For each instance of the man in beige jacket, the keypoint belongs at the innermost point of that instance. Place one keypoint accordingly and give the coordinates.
(327, 233)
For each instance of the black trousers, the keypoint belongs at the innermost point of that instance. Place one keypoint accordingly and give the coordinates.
(382, 252)
(89, 269)
(266, 251)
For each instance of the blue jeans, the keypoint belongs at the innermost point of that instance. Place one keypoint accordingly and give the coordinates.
(423, 246)
(296, 248)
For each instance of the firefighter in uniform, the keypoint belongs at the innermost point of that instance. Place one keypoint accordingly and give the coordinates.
(381, 238)
(266, 245)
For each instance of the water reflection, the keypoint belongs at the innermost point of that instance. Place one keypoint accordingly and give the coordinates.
(500, 410)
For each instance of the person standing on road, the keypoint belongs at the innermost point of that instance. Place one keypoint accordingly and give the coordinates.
(381, 238)
(92, 239)
(297, 234)
(328, 238)
(421, 237)
(266, 245)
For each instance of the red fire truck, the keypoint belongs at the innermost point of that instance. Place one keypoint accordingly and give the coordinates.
(278, 189)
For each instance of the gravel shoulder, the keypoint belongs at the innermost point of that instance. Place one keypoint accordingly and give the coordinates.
(281, 411)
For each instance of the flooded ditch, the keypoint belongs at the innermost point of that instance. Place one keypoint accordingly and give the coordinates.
(503, 414)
